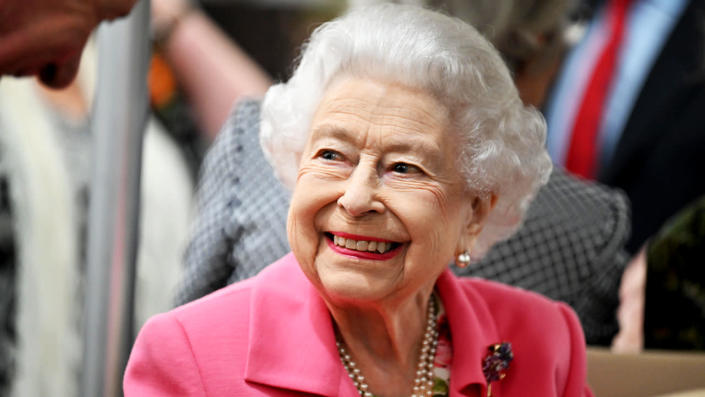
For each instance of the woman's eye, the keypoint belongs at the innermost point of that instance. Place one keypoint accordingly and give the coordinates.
(404, 168)
(330, 155)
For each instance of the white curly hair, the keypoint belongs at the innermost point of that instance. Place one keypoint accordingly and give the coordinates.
(503, 141)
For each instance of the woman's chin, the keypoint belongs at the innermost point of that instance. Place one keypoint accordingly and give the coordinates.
(359, 283)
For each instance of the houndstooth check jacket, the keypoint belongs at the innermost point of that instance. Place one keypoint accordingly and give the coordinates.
(569, 248)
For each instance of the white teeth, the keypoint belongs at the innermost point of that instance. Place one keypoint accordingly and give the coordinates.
(381, 247)
(370, 246)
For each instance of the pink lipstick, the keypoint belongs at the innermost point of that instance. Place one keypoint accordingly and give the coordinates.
(363, 254)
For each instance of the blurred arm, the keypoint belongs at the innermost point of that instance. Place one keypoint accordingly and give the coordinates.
(213, 71)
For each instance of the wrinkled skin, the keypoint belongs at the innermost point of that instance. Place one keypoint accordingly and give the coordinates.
(46, 37)
(380, 162)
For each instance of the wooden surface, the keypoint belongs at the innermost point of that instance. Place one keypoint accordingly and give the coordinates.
(652, 373)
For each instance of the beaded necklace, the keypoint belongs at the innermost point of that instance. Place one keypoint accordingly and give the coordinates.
(425, 379)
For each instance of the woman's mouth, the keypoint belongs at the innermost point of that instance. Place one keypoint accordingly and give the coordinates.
(361, 247)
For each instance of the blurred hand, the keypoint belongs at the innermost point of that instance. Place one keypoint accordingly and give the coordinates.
(46, 37)
(630, 314)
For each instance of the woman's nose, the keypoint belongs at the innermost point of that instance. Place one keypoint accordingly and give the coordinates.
(361, 192)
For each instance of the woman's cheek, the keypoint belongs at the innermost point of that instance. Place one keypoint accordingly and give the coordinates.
(312, 194)
(424, 197)
(302, 236)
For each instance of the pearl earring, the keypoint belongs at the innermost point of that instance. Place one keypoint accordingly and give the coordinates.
(463, 259)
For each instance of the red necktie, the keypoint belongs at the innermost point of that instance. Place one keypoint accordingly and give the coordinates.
(582, 152)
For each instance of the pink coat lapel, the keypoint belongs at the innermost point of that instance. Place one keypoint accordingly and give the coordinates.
(472, 330)
(291, 342)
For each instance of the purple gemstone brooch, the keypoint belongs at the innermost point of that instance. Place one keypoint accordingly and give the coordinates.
(495, 364)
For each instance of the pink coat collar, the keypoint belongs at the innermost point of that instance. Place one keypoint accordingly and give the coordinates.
(292, 343)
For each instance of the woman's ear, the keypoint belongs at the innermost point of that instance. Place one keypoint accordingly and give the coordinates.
(481, 206)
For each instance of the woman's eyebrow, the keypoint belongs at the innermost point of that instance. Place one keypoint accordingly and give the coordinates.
(424, 149)
(406, 143)
(397, 143)
(333, 131)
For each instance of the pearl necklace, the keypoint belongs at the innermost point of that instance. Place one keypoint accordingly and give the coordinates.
(423, 383)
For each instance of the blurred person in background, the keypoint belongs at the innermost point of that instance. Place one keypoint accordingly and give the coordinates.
(627, 110)
(662, 293)
(627, 107)
(46, 163)
(43, 38)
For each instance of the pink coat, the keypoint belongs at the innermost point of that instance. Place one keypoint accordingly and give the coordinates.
(272, 336)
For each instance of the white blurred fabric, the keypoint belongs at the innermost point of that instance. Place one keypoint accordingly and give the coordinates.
(47, 162)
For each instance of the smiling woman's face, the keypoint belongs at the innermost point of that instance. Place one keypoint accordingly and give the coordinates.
(379, 207)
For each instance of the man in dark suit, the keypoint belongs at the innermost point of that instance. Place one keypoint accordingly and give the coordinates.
(654, 151)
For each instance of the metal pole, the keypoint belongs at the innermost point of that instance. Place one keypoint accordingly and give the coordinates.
(119, 117)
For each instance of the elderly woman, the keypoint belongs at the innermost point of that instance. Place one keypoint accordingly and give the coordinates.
(408, 147)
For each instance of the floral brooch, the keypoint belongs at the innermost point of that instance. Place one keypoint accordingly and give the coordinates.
(496, 363)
